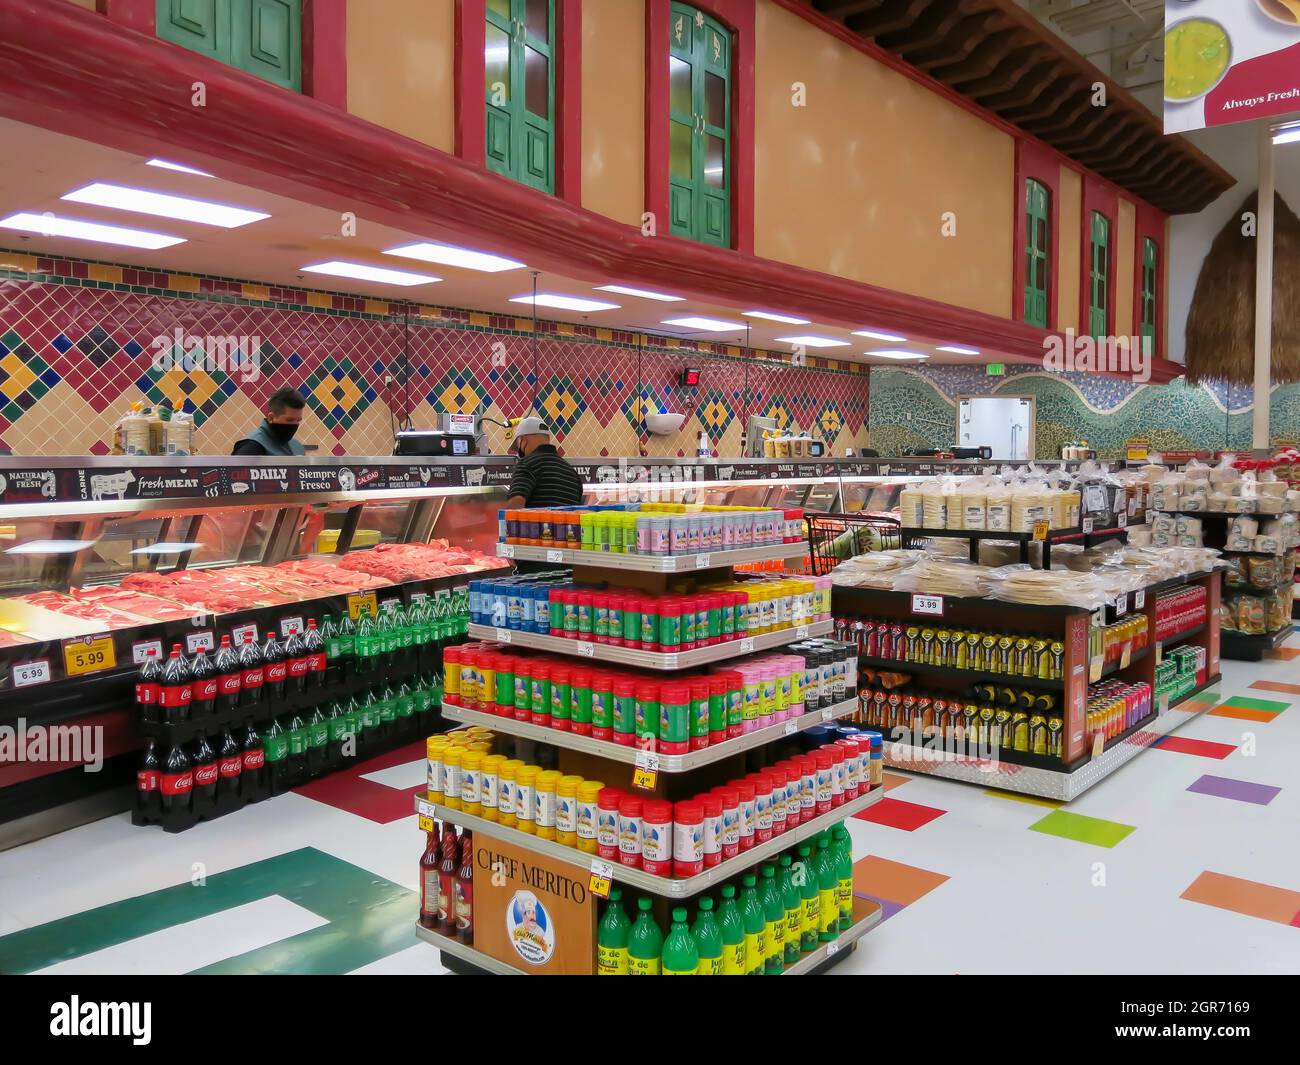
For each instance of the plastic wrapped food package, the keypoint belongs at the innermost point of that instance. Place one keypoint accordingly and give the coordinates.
(934, 576)
(875, 570)
(1020, 584)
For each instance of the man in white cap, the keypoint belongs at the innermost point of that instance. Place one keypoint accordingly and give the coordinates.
(541, 478)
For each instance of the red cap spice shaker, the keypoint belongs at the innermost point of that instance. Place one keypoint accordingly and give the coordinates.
(730, 820)
(825, 768)
(762, 806)
(607, 804)
(712, 803)
(688, 838)
(748, 815)
(657, 837)
(629, 830)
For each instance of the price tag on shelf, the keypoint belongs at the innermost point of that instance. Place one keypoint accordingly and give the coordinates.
(832, 948)
(503, 636)
(1160, 652)
(668, 564)
(1163, 704)
(827, 715)
(196, 642)
(289, 625)
(425, 808)
(927, 604)
(420, 597)
(26, 674)
(800, 631)
(385, 604)
(646, 774)
(602, 876)
(1139, 599)
(505, 550)
(1040, 530)
(363, 603)
(1098, 744)
(701, 561)
(746, 645)
(426, 823)
(790, 728)
(1121, 520)
(554, 556)
(1126, 654)
(1095, 665)
(670, 661)
(1087, 525)
(93, 654)
(586, 648)
(141, 648)
(239, 634)
(1121, 604)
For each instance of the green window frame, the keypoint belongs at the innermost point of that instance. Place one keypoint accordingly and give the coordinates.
(1038, 238)
(1150, 291)
(1099, 276)
(699, 124)
(519, 66)
(260, 37)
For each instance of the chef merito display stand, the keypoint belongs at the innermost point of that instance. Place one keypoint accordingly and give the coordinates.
(537, 901)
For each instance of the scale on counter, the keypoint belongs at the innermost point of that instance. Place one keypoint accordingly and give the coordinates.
(457, 436)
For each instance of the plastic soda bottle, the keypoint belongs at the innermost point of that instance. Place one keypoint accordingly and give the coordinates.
(793, 909)
(733, 933)
(708, 939)
(774, 920)
(844, 874)
(805, 875)
(681, 956)
(612, 936)
(645, 943)
(827, 864)
(751, 909)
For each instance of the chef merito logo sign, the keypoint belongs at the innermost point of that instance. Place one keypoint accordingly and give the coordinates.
(238, 356)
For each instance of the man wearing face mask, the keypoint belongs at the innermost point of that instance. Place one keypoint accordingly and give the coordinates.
(275, 435)
(541, 478)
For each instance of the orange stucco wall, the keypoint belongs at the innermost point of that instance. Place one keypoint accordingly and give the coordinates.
(857, 182)
(1068, 255)
(1124, 280)
(613, 108)
(401, 59)
(89, 5)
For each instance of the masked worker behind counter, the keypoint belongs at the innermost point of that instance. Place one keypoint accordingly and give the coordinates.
(275, 435)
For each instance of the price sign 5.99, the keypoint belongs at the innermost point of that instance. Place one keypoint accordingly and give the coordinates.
(94, 654)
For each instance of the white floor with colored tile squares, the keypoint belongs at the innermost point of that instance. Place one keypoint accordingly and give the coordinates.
(1185, 860)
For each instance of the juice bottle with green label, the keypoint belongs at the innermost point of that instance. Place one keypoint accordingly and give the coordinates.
(645, 943)
(827, 864)
(793, 909)
(708, 940)
(681, 956)
(733, 933)
(844, 874)
(612, 936)
(751, 909)
(805, 875)
(774, 918)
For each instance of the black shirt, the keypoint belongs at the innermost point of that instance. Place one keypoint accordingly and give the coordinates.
(544, 479)
(249, 447)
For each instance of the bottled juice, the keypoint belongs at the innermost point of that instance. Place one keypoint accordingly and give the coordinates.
(844, 875)
(708, 940)
(681, 957)
(793, 910)
(612, 936)
(827, 865)
(774, 921)
(806, 874)
(645, 942)
(733, 934)
(751, 911)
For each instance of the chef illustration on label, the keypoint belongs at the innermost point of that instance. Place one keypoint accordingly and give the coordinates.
(530, 928)
(347, 480)
(110, 484)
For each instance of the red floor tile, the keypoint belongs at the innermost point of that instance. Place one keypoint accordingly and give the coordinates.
(895, 813)
(1203, 748)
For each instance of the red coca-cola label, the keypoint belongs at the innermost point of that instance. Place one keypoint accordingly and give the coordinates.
(205, 690)
(254, 759)
(317, 662)
(298, 667)
(277, 672)
(229, 684)
(146, 779)
(230, 767)
(205, 775)
(177, 783)
(175, 695)
(252, 678)
(146, 694)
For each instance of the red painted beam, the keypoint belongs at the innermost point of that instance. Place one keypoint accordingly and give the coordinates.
(325, 51)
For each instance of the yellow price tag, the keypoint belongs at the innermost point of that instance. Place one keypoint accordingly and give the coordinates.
(602, 876)
(1098, 744)
(94, 654)
(1126, 655)
(367, 603)
(1095, 666)
(426, 823)
(1040, 530)
(644, 779)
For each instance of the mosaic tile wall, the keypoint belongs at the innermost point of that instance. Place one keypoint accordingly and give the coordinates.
(917, 408)
(78, 343)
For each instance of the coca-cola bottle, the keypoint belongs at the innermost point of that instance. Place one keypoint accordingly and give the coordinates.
(317, 661)
(147, 688)
(203, 685)
(174, 691)
(226, 662)
(177, 784)
(276, 667)
(230, 766)
(252, 782)
(252, 673)
(205, 774)
(297, 663)
(463, 903)
(148, 781)
(429, 881)
(448, 867)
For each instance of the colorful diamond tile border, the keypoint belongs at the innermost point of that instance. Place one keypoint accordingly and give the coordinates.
(338, 394)
(561, 403)
(24, 376)
(1248, 897)
(459, 392)
(1240, 790)
(1082, 829)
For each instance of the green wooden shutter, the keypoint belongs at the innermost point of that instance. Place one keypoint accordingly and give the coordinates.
(200, 25)
(1037, 251)
(519, 59)
(1099, 276)
(699, 124)
(1150, 283)
(261, 37)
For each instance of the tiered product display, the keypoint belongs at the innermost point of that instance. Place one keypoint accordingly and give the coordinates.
(579, 770)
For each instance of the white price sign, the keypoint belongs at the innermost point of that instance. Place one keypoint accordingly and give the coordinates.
(1139, 599)
(505, 550)
(668, 564)
(198, 641)
(1121, 520)
(1087, 525)
(1121, 604)
(827, 715)
(238, 635)
(425, 808)
(670, 661)
(503, 636)
(1164, 704)
(832, 948)
(927, 604)
(290, 625)
(586, 648)
(554, 556)
(647, 760)
(140, 650)
(790, 728)
(701, 561)
(25, 674)
(746, 645)
(800, 631)
(420, 597)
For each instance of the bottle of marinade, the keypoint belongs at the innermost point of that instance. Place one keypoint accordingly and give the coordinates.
(612, 936)
(828, 918)
(805, 874)
(774, 920)
(793, 910)
(645, 943)
(733, 933)
(844, 875)
(708, 940)
(751, 910)
(681, 957)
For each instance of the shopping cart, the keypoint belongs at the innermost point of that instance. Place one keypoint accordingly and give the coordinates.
(832, 538)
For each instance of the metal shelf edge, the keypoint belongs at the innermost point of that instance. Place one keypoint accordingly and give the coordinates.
(668, 564)
(847, 940)
(469, 954)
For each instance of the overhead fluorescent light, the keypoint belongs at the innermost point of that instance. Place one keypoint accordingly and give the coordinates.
(892, 338)
(814, 342)
(50, 547)
(894, 353)
(164, 205)
(641, 293)
(708, 325)
(565, 303)
(1286, 133)
(364, 272)
(166, 548)
(449, 255)
(771, 317)
(165, 165)
(957, 350)
(50, 225)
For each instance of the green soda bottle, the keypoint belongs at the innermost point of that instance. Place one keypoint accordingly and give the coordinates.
(405, 708)
(828, 875)
(390, 627)
(297, 765)
(387, 711)
(681, 956)
(612, 936)
(406, 625)
(442, 623)
(460, 607)
(275, 745)
(733, 933)
(805, 877)
(368, 720)
(645, 943)
(367, 645)
(347, 640)
(708, 939)
(751, 910)
(844, 874)
(336, 728)
(424, 631)
(774, 920)
(793, 909)
(329, 635)
(318, 735)
(351, 729)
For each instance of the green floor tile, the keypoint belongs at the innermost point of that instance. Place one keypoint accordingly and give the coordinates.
(1082, 829)
(1268, 706)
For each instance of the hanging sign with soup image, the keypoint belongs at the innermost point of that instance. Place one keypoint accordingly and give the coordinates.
(1197, 55)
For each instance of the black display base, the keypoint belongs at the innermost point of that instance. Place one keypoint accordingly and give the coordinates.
(459, 966)
(1242, 647)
